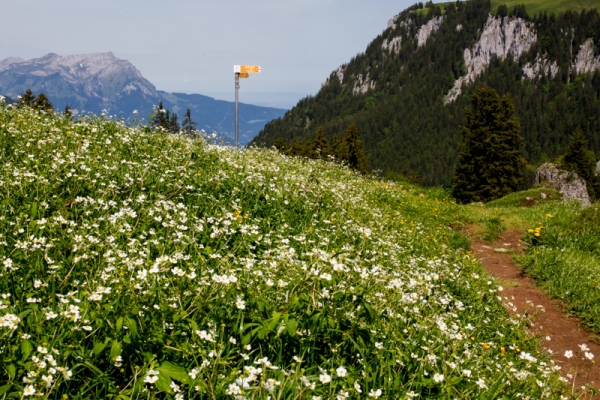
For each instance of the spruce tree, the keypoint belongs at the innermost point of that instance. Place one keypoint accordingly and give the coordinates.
(280, 145)
(173, 125)
(580, 160)
(296, 148)
(352, 150)
(27, 98)
(334, 147)
(490, 164)
(188, 126)
(68, 113)
(319, 145)
(160, 119)
(43, 103)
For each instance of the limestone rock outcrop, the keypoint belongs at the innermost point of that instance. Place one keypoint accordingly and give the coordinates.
(501, 37)
(428, 29)
(569, 184)
(585, 60)
(541, 66)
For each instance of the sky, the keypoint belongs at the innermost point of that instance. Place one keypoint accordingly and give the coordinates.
(191, 46)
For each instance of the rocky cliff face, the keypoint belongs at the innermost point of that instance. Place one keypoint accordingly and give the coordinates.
(428, 29)
(501, 37)
(362, 83)
(542, 66)
(513, 37)
(585, 60)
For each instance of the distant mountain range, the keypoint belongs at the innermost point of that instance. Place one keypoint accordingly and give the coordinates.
(101, 81)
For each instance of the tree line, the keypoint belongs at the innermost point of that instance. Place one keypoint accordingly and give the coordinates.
(348, 150)
(161, 118)
(165, 120)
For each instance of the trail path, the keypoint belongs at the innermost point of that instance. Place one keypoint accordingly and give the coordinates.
(557, 332)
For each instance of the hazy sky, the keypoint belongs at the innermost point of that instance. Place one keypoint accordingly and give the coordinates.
(191, 46)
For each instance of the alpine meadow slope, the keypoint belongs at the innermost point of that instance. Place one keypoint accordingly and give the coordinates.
(407, 92)
(136, 264)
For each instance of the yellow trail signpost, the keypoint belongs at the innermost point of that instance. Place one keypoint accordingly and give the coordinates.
(242, 71)
(251, 69)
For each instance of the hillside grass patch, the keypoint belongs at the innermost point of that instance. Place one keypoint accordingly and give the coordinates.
(137, 264)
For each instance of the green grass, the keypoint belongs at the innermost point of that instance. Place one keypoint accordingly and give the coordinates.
(564, 258)
(136, 264)
(534, 7)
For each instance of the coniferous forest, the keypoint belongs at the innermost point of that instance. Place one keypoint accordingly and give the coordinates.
(402, 119)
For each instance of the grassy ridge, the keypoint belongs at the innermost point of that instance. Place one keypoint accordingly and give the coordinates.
(534, 7)
(138, 264)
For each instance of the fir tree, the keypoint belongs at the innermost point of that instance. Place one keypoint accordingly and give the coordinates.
(160, 119)
(296, 148)
(280, 145)
(40, 102)
(334, 147)
(319, 145)
(43, 103)
(188, 126)
(352, 149)
(68, 113)
(490, 165)
(27, 99)
(173, 124)
(579, 159)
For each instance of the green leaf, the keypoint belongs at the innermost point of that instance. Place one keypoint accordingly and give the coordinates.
(291, 326)
(119, 323)
(132, 325)
(99, 346)
(274, 321)
(246, 338)
(164, 383)
(115, 349)
(26, 349)
(4, 389)
(174, 371)
(34, 209)
(12, 371)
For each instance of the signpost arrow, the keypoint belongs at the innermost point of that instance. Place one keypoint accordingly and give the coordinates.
(253, 69)
(244, 75)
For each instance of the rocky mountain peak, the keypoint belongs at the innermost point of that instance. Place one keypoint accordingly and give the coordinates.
(101, 75)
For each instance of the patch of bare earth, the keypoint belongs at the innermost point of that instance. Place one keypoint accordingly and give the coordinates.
(558, 333)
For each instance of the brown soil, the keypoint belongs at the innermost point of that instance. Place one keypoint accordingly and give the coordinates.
(557, 332)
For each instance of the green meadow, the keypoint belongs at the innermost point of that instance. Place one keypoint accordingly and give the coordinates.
(138, 264)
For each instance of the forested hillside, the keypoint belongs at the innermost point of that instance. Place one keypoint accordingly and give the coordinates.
(407, 92)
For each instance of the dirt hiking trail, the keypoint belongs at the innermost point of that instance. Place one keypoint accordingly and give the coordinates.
(558, 333)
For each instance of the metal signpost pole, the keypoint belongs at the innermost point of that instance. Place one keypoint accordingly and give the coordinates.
(237, 88)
